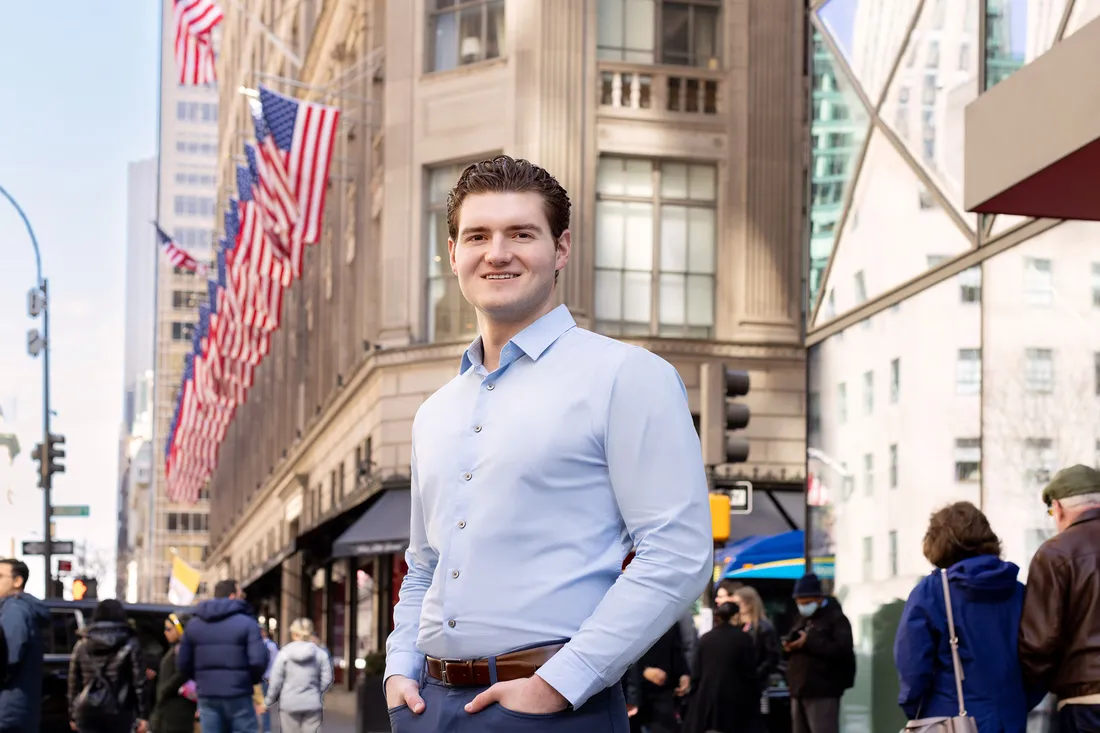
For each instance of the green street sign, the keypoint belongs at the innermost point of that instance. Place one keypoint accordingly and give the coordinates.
(71, 511)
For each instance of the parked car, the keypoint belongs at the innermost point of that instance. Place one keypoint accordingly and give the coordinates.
(67, 620)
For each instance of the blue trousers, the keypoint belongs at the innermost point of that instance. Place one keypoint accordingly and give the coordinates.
(227, 715)
(604, 712)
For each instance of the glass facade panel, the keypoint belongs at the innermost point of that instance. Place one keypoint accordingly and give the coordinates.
(838, 131)
(1017, 33)
(870, 34)
(889, 231)
(1084, 12)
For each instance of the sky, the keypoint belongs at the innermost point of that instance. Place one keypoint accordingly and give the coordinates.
(78, 88)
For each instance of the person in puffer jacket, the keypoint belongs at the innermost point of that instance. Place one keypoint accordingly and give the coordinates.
(299, 679)
(109, 646)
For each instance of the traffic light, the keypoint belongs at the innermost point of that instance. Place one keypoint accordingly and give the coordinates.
(720, 517)
(48, 458)
(84, 589)
(737, 415)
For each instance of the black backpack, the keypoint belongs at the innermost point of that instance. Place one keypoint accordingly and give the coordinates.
(100, 702)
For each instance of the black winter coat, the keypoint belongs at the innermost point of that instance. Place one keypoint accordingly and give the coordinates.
(825, 666)
(104, 643)
(172, 713)
(725, 695)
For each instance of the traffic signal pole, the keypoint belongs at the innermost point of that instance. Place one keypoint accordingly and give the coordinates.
(47, 478)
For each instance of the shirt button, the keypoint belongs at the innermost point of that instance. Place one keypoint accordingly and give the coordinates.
(477, 428)
(490, 386)
(454, 573)
(467, 476)
(462, 524)
(451, 623)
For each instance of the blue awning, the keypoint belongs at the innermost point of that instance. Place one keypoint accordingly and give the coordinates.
(383, 528)
(779, 556)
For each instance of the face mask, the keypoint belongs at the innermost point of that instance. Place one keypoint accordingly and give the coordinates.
(808, 609)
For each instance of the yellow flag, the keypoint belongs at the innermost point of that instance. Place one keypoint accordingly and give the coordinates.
(183, 584)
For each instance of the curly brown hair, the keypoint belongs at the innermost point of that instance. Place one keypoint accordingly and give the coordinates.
(958, 532)
(504, 174)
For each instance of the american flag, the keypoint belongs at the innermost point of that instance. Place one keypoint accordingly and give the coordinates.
(177, 256)
(272, 178)
(305, 133)
(194, 20)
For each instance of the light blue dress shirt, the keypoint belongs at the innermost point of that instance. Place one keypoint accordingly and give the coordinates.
(530, 485)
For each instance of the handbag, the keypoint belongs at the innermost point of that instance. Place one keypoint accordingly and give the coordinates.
(961, 723)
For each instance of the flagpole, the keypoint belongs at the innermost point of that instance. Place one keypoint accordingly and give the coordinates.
(275, 40)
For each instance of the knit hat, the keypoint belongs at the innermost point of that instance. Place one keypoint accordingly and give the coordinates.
(808, 586)
(1072, 481)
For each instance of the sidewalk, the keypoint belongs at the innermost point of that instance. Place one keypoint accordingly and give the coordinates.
(335, 722)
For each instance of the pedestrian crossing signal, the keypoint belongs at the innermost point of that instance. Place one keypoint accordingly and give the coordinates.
(84, 589)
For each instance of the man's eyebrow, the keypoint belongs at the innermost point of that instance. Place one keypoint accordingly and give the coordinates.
(510, 229)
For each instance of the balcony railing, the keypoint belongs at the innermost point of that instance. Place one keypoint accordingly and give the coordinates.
(662, 90)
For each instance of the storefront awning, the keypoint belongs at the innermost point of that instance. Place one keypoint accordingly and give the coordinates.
(1033, 141)
(382, 529)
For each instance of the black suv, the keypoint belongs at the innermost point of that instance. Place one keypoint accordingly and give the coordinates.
(67, 618)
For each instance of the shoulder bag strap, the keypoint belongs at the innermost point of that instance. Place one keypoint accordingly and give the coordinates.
(954, 641)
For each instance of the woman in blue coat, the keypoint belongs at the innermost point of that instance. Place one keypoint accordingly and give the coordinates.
(986, 599)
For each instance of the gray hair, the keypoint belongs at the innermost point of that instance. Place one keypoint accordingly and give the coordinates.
(301, 629)
(1080, 501)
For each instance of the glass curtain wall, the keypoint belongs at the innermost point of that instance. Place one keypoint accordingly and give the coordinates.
(961, 378)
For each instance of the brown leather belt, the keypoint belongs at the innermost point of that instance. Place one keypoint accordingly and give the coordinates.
(475, 672)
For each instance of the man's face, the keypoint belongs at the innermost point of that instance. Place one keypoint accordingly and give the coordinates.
(9, 585)
(1061, 518)
(505, 257)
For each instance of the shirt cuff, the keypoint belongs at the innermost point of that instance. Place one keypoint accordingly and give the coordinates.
(574, 680)
(406, 664)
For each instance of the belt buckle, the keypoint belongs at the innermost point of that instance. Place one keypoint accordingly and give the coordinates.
(445, 663)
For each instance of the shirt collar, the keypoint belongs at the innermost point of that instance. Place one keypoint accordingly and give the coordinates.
(532, 341)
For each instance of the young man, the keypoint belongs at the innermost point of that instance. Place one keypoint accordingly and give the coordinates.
(223, 652)
(534, 472)
(1060, 624)
(22, 617)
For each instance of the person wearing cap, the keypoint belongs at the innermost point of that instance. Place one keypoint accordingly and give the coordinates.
(822, 660)
(1059, 640)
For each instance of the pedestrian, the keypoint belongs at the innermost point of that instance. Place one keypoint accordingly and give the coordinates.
(22, 618)
(534, 472)
(1059, 640)
(753, 619)
(173, 711)
(301, 676)
(822, 662)
(656, 682)
(725, 696)
(107, 675)
(272, 650)
(222, 651)
(986, 600)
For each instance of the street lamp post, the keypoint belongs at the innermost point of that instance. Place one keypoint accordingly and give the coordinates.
(47, 474)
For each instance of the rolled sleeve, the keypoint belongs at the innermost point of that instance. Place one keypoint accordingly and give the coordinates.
(656, 469)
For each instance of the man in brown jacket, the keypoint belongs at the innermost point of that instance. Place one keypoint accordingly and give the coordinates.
(1059, 642)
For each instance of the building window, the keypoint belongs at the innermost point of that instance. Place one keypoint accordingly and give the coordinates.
(895, 381)
(842, 403)
(868, 393)
(656, 235)
(1039, 370)
(678, 32)
(868, 559)
(968, 460)
(182, 330)
(968, 371)
(187, 299)
(450, 316)
(1096, 284)
(894, 466)
(813, 408)
(1039, 459)
(861, 288)
(1038, 281)
(893, 553)
(194, 206)
(868, 474)
(970, 284)
(464, 32)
